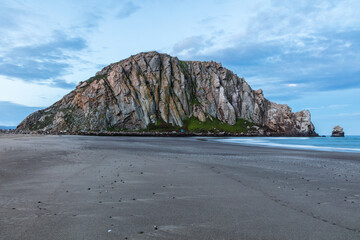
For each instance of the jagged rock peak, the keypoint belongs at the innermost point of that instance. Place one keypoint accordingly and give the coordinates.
(152, 88)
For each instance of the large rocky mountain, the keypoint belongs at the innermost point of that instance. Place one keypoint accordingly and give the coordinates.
(150, 87)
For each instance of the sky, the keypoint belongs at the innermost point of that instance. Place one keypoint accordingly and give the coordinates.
(302, 53)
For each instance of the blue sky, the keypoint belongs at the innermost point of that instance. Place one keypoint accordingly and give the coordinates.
(302, 53)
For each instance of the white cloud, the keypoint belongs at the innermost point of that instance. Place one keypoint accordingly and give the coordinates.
(355, 114)
(29, 94)
(8, 123)
(334, 106)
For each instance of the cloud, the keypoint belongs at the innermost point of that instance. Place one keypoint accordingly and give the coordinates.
(191, 45)
(334, 106)
(90, 21)
(310, 44)
(355, 114)
(12, 114)
(208, 20)
(127, 10)
(59, 83)
(43, 61)
(29, 93)
(9, 16)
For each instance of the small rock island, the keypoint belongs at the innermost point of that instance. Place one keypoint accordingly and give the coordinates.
(338, 132)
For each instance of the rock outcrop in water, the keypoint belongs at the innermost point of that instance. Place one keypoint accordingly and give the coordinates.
(338, 132)
(152, 88)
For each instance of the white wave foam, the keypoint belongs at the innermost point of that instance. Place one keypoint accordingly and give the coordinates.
(266, 143)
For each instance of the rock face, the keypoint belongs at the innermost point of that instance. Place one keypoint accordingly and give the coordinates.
(338, 132)
(151, 87)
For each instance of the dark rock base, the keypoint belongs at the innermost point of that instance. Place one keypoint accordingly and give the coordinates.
(341, 134)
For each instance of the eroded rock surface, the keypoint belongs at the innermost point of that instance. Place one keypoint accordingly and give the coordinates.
(151, 87)
(338, 132)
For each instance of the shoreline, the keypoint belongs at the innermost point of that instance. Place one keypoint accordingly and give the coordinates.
(302, 147)
(163, 134)
(215, 138)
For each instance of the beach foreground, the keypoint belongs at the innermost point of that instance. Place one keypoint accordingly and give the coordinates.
(84, 187)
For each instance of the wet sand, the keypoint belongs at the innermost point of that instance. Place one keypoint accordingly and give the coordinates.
(83, 187)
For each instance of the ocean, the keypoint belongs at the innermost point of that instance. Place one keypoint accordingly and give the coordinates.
(7, 127)
(335, 144)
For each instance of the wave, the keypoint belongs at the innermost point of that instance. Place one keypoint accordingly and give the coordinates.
(269, 142)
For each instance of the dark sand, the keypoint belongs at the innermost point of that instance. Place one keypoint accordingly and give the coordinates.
(79, 187)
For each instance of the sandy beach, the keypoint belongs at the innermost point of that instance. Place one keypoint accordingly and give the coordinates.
(88, 187)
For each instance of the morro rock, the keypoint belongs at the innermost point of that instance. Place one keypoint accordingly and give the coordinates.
(338, 132)
(151, 89)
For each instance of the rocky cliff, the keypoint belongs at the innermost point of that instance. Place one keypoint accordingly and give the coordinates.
(338, 132)
(150, 89)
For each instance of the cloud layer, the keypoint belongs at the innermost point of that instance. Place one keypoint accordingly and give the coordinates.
(48, 58)
(36, 63)
(127, 9)
(12, 114)
(312, 46)
(293, 50)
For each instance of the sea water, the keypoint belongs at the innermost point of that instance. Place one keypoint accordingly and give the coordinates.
(337, 144)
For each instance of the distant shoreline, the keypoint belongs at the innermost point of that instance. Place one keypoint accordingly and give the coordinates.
(160, 134)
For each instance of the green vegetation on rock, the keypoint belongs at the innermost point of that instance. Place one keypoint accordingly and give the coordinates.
(117, 129)
(42, 124)
(194, 125)
(97, 78)
(184, 67)
(195, 101)
(161, 126)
